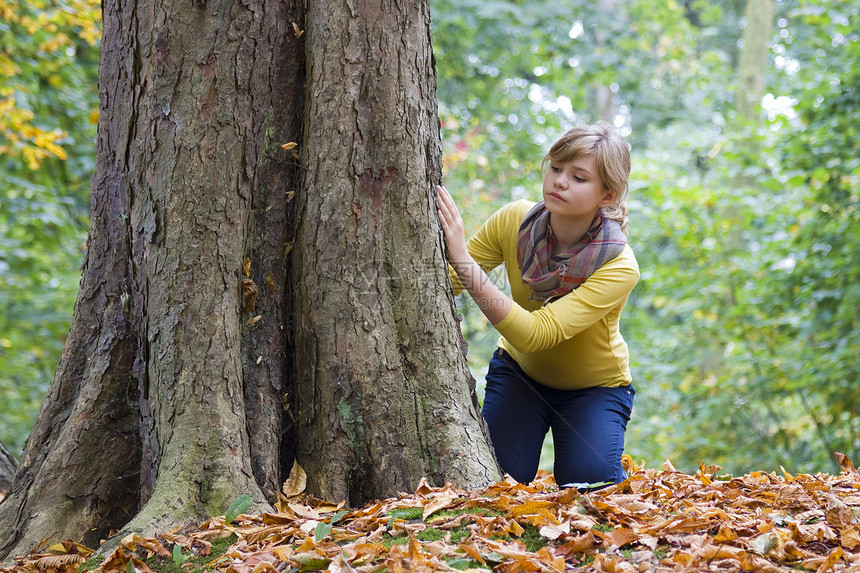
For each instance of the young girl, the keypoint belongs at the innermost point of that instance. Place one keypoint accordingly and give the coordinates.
(561, 363)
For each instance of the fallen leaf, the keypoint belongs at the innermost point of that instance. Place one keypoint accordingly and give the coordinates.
(288, 146)
(247, 267)
(297, 482)
(297, 31)
(845, 463)
(249, 295)
(554, 531)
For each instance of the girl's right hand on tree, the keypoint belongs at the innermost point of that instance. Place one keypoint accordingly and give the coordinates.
(452, 224)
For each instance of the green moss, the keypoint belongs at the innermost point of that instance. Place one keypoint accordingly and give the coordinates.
(388, 541)
(431, 534)
(407, 513)
(459, 534)
(91, 563)
(603, 527)
(471, 510)
(533, 539)
(192, 563)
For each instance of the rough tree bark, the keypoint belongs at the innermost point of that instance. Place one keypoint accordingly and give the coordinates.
(173, 392)
(8, 463)
(146, 409)
(381, 395)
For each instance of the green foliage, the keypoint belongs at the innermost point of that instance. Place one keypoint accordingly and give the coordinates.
(743, 329)
(48, 108)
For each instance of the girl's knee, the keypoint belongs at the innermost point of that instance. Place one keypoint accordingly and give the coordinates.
(590, 474)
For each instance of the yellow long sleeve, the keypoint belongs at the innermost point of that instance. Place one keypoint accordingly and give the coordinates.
(574, 341)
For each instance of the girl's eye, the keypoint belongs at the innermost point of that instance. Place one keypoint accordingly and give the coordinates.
(555, 169)
(579, 179)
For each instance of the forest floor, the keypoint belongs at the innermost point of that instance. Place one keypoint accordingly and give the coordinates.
(659, 520)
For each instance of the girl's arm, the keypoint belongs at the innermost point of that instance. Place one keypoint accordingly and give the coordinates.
(494, 303)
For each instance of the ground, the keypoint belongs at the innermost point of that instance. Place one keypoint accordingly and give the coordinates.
(659, 520)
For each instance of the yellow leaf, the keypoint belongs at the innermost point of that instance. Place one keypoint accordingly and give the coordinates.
(297, 31)
(288, 146)
(283, 552)
(247, 267)
(254, 320)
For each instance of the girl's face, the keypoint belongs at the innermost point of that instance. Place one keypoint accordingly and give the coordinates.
(574, 189)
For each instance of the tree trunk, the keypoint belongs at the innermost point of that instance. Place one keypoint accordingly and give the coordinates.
(174, 393)
(756, 37)
(8, 463)
(603, 96)
(195, 98)
(381, 395)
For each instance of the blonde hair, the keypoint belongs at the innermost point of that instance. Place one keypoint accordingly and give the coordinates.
(612, 156)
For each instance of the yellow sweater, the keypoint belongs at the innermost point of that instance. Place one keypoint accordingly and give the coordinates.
(572, 342)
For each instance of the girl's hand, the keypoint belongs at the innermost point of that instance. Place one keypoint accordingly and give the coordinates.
(452, 224)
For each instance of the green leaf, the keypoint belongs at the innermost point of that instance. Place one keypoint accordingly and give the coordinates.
(238, 507)
(337, 516)
(178, 557)
(321, 531)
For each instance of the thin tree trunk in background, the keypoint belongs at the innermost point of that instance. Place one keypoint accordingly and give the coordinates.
(754, 53)
(603, 93)
(750, 89)
(385, 396)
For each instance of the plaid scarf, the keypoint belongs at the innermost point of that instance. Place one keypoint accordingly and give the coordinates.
(554, 276)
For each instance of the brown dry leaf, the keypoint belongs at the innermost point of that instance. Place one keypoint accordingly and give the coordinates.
(440, 501)
(340, 565)
(133, 542)
(305, 511)
(297, 482)
(255, 319)
(249, 295)
(270, 282)
(297, 31)
(553, 532)
(845, 463)
(851, 537)
(666, 520)
(619, 537)
(59, 561)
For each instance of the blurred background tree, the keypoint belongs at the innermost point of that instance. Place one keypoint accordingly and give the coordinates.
(742, 118)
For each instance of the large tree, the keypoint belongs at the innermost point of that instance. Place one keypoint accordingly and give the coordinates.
(244, 302)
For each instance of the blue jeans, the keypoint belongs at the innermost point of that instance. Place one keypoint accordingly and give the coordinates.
(587, 425)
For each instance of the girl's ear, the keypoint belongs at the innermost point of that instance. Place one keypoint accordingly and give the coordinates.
(607, 199)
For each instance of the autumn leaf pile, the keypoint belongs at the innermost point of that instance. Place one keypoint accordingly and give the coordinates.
(657, 520)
